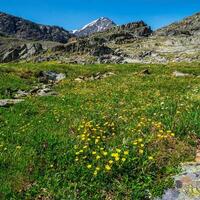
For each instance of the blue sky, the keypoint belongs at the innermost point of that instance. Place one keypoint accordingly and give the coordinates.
(73, 14)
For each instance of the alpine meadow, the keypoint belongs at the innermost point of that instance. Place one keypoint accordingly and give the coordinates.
(109, 111)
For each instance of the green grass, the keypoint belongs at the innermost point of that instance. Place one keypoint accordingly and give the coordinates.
(37, 136)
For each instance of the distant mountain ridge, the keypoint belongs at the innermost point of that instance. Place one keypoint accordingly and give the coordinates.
(187, 26)
(98, 25)
(25, 29)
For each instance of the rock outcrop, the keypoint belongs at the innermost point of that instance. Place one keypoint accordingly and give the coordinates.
(21, 52)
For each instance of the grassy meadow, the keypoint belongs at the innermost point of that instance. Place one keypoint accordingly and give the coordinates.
(122, 137)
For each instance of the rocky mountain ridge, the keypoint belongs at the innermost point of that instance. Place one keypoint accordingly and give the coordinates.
(186, 27)
(25, 29)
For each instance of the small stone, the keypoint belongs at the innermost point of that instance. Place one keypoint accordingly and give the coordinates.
(181, 74)
(9, 102)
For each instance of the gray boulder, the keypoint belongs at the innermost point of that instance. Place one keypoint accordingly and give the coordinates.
(50, 76)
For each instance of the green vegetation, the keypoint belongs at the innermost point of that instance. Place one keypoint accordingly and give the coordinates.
(121, 137)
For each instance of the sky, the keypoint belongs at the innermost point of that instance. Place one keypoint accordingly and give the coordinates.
(74, 14)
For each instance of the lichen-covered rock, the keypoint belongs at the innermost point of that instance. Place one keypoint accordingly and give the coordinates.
(187, 184)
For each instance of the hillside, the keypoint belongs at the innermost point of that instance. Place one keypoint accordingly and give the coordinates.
(24, 29)
(189, 26)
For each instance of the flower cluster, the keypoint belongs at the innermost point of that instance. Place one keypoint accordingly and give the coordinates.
(96, 151)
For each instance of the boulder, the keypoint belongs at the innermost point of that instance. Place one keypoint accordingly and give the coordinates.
(50, 76)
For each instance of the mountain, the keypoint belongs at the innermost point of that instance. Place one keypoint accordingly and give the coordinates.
(24, 29)
(188, 26)
(134, 42)
(98, 25)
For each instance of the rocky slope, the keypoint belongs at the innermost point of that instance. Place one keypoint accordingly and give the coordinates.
(24, 29)
(129, 43)
(98, 25)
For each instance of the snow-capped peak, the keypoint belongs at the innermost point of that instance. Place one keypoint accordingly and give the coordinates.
(98, 25)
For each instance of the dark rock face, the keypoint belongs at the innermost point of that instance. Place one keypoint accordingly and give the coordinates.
(98, 25)
(12, 54)
(187, 27)
(102, 50)
(93, 46)
(24, 29)
(127, 32)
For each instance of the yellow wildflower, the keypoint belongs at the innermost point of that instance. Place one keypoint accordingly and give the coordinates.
(98, 157)
(126, 152)
(118, 150)
(110, 161)
(140, 140)
(150, 158)
(141, 151)
(116, 158)
(107, 167)
(105, 153)
(96, 141)
(123, 159)
(115, 155)
(95, 173)
(89, 166)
